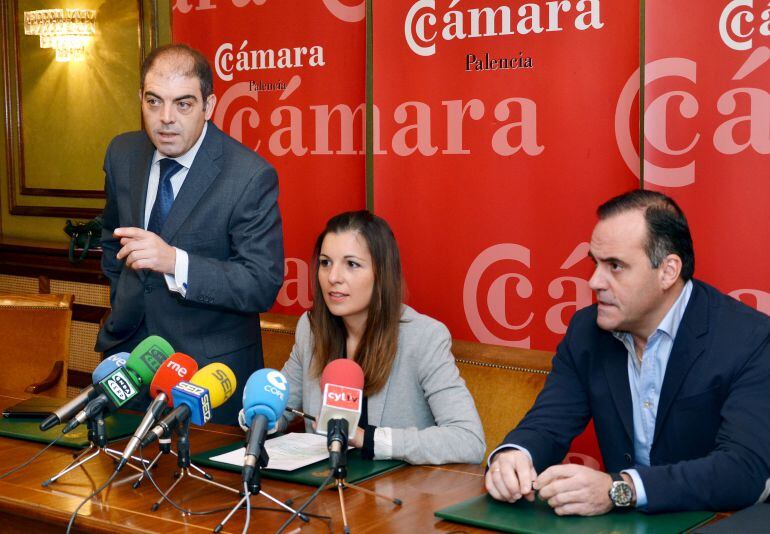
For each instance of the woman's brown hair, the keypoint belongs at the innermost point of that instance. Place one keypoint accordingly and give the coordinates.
(377, 348)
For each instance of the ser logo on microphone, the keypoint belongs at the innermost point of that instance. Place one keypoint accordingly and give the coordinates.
(206, 407)
(224, 380)
(277, 385)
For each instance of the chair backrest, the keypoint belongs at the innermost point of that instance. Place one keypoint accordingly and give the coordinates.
(34, 343)
(504, 383)
(277, 338)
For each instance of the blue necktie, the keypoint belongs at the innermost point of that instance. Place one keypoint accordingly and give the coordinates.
(165, 198)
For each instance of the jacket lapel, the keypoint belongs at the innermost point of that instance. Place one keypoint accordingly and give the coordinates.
(616, 369)
(199, 178)
(689, 344)
(139, 173)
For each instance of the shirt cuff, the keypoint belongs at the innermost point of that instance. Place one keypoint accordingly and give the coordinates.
(178, 281)
(641, 495)
(502, 448)
(383, 443)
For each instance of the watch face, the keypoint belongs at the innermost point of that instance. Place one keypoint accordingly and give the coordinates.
(621, 494)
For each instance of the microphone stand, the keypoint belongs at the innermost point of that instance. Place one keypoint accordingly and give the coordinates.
(337, 440)
(184, 463)
(164, 447)
(97, 437)
(254, 486)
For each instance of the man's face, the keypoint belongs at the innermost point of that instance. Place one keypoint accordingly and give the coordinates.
(173, 108)
(629, 291)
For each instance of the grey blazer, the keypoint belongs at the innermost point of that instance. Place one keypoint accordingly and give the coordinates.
(425, 403)
(226, 218)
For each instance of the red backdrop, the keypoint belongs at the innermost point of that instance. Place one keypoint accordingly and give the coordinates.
(290, 81)
(490, 174)
(707, 122)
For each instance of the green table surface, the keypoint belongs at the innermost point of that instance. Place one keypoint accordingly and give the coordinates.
(537, 517)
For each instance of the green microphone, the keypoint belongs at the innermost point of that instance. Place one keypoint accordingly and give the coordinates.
(146, 359)
(125, 383)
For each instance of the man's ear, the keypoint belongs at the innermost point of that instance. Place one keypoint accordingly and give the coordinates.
(211, 101)
(670, 270)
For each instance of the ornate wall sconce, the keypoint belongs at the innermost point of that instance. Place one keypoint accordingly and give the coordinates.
(68, 31)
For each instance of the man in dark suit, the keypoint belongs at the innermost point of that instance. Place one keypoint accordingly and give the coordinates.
(675, 374)
(192, 239)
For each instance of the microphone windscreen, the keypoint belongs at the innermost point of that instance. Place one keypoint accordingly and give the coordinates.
(266, 393)
(343, 372)
(147, 357)
(219, 379)
(178, 367)
(108, 365)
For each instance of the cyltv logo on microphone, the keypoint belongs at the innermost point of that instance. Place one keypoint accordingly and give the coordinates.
(342, 397)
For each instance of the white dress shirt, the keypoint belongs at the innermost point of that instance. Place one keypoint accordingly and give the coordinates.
(178, 281)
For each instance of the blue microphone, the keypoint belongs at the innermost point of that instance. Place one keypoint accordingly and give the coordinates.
(264, 400)
(108, 366)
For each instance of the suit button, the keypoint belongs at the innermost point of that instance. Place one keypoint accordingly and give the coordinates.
(628, 458)
(148, 289)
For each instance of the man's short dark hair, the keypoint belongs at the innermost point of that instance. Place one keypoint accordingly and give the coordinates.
(200, 67)
(667, 229)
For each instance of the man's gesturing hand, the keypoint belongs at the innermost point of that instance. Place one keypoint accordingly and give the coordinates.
(145, 250)
(510, 476)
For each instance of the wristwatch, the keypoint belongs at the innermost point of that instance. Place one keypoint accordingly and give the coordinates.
(621, 493)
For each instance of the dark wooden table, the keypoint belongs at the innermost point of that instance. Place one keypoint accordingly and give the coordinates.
(26, 506)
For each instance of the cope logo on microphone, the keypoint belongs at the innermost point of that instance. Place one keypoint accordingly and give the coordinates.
(277, 385)
(225, 381)
(342, 397)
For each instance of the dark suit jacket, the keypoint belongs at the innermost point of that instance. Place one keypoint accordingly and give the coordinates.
(711, 446)
(226, 218)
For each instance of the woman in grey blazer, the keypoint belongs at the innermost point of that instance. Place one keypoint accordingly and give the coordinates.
(416, 407)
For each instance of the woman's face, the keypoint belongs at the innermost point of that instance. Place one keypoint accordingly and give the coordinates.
(346, 276)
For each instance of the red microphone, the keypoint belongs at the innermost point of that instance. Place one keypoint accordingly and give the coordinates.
(176, 368)
(342, 383)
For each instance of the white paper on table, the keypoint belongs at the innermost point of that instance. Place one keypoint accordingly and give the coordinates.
(287, 452)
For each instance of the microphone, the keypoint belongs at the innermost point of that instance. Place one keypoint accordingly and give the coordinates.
(208, 388)
(123, 384)
(73, 406)
(264, 400)
(337, 442)
(177, 367)
(342, 383)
